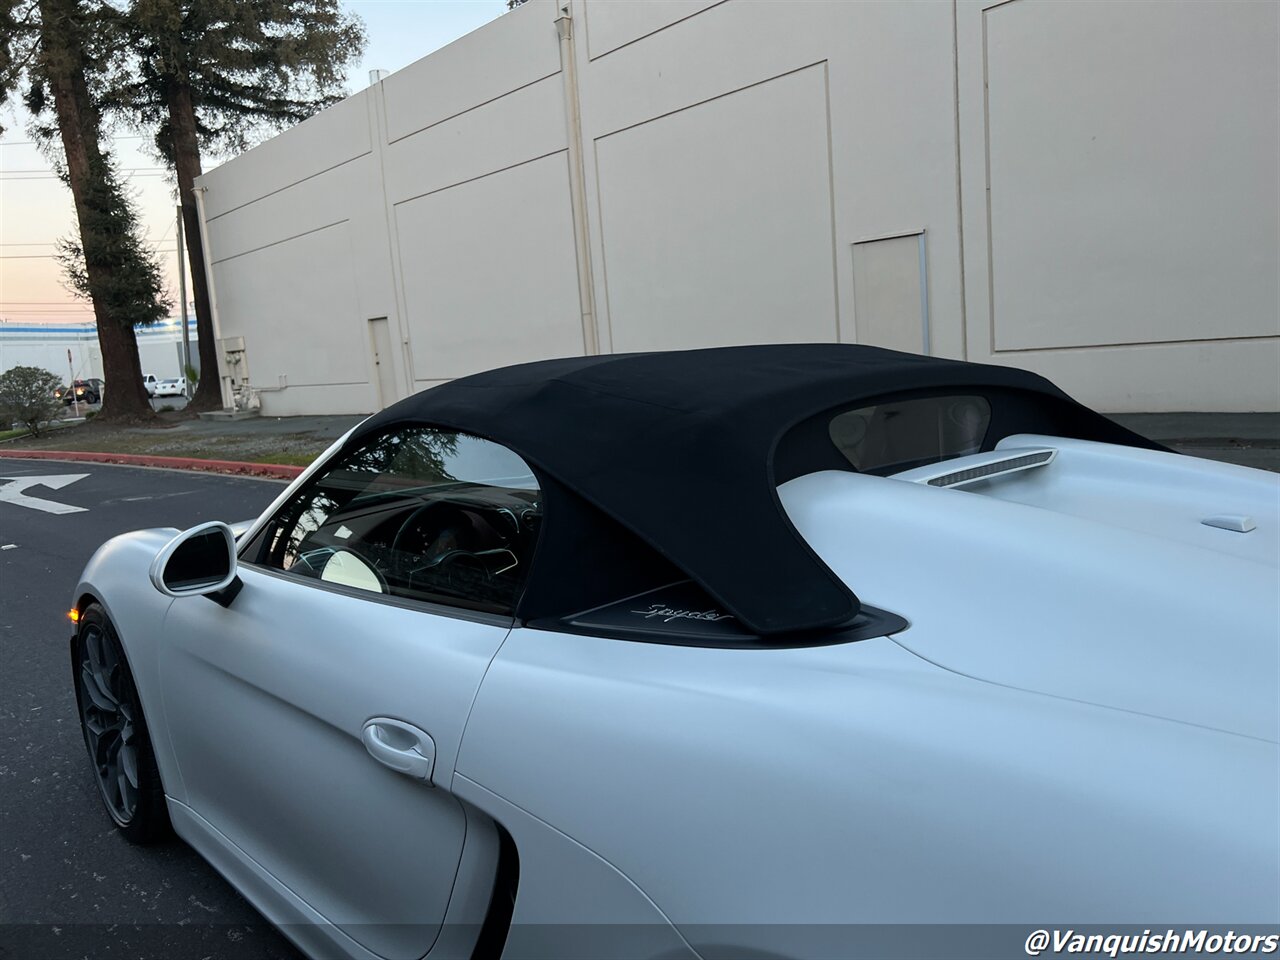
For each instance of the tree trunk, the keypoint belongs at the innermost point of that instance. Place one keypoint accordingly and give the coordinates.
(124, 397)
(186, 162)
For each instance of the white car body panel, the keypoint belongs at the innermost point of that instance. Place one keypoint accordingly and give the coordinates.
(315, 934)
(170, 388)
(859, 783)
(1061, 604)
(265, 702)
(1080, 721)
(573, 904)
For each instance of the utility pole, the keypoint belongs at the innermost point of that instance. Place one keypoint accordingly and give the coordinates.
(182, 295)
(75, 403)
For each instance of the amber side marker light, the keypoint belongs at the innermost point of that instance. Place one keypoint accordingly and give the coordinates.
(73, 616)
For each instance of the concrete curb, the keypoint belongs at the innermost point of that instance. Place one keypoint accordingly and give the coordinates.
(275, 471)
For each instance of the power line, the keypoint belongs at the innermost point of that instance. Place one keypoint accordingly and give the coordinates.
(55, 256)
(51, 170)
(52, 243)
(156, 245)
(54, 176)
(32, 143)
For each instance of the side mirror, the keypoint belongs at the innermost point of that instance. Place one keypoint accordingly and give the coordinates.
(196, 562)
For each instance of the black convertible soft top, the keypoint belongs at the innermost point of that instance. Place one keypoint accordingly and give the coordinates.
(674, 458)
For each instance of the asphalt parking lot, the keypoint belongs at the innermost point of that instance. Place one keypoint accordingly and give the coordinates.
(70, 886)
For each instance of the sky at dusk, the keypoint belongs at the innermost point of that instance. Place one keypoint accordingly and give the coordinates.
(36, 209)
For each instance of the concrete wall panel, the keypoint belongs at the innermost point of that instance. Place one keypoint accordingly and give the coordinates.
(891, 84)
(307, 206)
(737, 154)
(1212, 375)
(327, 140)
(511, 52)
(613, 25)
(524, 124)
(303, 325)
(1134, 192)
(489, 272)
(704, 246)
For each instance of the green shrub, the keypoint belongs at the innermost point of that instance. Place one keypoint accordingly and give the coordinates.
(26, 397)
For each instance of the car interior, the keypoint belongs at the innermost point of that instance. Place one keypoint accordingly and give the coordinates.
(464, 544)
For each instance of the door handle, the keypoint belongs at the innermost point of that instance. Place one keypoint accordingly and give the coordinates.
(401, 746)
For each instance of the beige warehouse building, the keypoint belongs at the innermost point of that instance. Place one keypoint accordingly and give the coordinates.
(1083, 189)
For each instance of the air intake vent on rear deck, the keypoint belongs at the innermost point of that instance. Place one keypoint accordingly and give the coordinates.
(987, 470)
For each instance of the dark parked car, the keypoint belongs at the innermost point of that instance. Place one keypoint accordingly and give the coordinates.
(83, 391)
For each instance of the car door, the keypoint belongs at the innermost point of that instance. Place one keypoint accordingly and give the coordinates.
(376, 595)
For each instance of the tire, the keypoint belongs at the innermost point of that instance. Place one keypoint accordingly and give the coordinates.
(115, 732)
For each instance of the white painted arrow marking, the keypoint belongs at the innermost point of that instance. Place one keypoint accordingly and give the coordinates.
(12, 492)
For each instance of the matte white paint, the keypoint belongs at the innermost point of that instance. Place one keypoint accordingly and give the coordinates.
(1080, 720)
(372, 851)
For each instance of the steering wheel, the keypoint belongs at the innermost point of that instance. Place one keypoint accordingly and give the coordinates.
(416, 524)
(423, 535)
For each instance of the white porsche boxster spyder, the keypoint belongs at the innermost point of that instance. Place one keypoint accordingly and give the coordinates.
(713, 653)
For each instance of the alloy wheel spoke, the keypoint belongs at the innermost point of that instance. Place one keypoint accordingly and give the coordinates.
(128, 795)
(108, 715)
(93, 688)
(129, 764)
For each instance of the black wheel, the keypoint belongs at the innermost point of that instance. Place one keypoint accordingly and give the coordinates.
(115, 732)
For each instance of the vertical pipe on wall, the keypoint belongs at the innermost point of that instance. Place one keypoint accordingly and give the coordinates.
(223, 383)
(925, 346)
(577, 181)
(182, 296)
(402, 362)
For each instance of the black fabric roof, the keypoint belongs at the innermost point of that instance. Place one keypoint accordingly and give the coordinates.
(678, 448)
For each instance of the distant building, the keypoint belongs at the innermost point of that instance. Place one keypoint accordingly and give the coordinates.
(48, 346)
(1088, 190)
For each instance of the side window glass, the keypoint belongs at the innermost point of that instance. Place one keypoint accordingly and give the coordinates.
(418, 513)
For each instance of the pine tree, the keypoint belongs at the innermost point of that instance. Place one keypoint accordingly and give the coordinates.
(107, 263)
(13, 31)
(217, 74)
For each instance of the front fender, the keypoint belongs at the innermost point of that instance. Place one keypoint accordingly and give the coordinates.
(116, 577)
